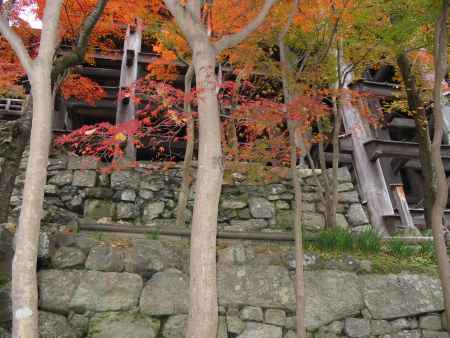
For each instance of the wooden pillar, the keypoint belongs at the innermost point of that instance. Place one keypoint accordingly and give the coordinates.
(60, 114)
(403, 207)
(370, 173)
(128, 75)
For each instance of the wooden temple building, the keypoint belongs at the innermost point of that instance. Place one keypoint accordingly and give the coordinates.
(385, 159)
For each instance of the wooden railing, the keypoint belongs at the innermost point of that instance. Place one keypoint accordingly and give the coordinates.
(11, 107)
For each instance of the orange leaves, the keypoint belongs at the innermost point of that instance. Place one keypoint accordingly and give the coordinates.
(82, 88)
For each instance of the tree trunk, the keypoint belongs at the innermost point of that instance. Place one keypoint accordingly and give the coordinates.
(203, 316)
(334, 198)
(186, 181)
(12, 151)
(440, 179)
(327, 188)
(24, 286)
(298, 237)
(416, 106)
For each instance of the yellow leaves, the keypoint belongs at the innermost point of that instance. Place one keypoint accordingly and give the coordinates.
(120, 137)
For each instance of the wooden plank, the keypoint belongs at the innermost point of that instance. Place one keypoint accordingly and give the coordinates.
(402, 206)
(402, 123)
(346, 144)
(372, 182)
(343, 158)
(128, 75)
(97, 72)
(383, 89)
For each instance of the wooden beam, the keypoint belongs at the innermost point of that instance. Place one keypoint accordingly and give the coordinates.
(97, 72)
(377, 149)
(402, 206)
(383, 89)
(346, 144)
(11, 107)
(402, 123)
(126, 110)
(372, 182)
(343, 158)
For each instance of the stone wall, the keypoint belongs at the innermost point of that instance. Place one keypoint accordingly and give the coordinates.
(77, 191)
(100, 288)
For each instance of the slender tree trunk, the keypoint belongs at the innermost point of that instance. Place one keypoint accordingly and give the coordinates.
(12, 151)
(298, 237)
(335, 165)
(186, 181)
(233, 140)
(298, 231)
(440, 179)
(327, 188)
(24, 286)
(203, 316)
(417, 108)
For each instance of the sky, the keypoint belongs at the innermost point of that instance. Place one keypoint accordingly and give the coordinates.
(28, 16)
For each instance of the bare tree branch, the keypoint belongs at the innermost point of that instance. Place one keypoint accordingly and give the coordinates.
(234, 39)
(17, 45)
(77, 54)
(185, 19)
(49, 33)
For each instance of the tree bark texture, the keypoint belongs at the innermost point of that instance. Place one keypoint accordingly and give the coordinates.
(298, 231)
(186, 181)
(24, 286)
(439, 178)
(203, 311)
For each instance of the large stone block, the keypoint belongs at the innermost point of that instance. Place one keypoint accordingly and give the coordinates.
(357, 327)
(107, 291)
(356, 215)
(82, 162)
(105, 258)
(126, 211)
(348, 197)
(127, 179)
(261, 208)
(98, 209)
(52, 325)
(56, 289)
(152, 210)
(147, 257)
(99, 192)
(236, 286)
(63, 177)
(68, 257)
(122, 325)
(404, 295)
(259, 330)
(167, 293)
(330, 296)
(233, 204)
(84, 178)
(175, 326)
(313, 221)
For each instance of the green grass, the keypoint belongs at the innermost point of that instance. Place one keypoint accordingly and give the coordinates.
(386, 257)
(335, 239)
(399, 248)
(155, 236)
(4, 279)
(343, 240)
(368, 241)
